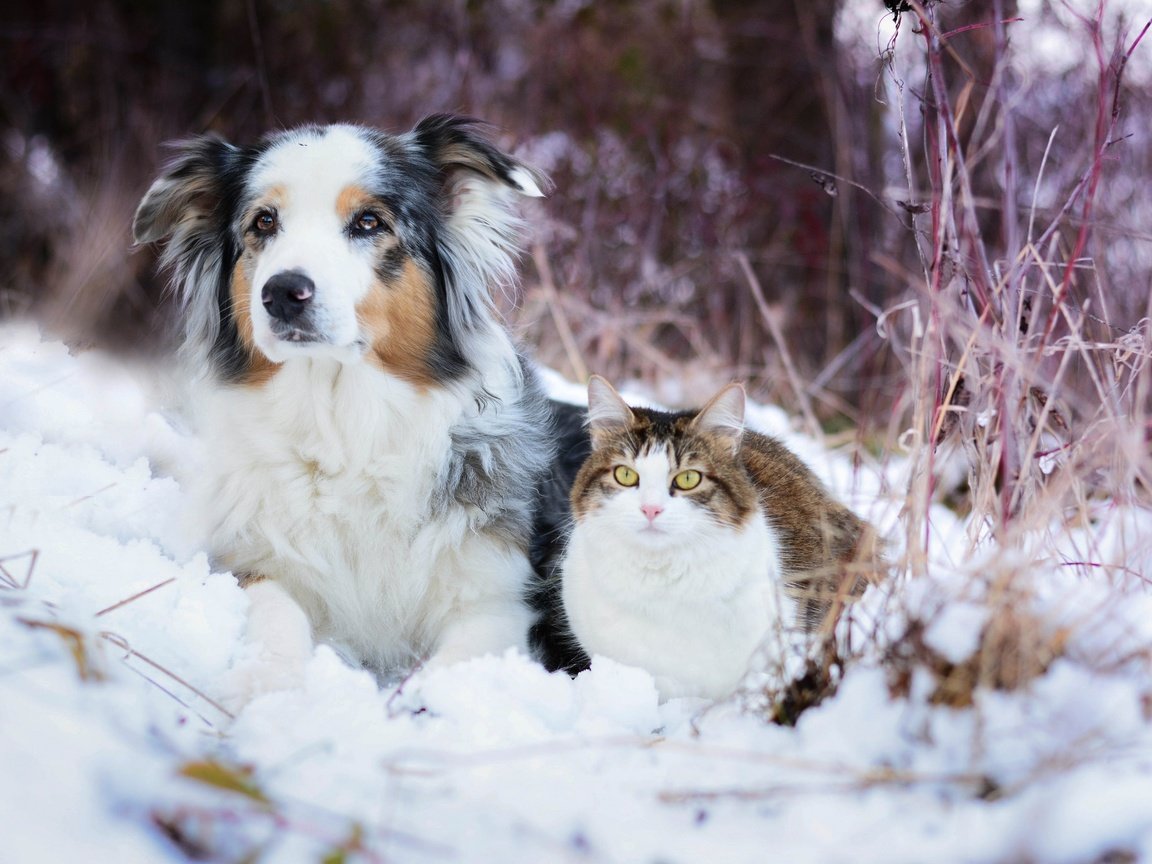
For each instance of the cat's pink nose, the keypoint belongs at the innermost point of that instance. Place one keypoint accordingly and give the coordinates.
(651, 511)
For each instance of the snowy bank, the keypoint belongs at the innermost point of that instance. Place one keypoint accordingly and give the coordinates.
(115, 636)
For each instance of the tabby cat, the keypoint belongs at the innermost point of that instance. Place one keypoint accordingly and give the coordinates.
(694, 539)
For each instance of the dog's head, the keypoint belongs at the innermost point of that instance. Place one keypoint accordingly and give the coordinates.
(339, 241)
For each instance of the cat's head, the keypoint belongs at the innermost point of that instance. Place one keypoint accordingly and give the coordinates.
(664, 479)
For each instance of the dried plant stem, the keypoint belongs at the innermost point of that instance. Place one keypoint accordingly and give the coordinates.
(771, 320)
(559, 319)
(135, 597)
(7, 580)
(123, 644)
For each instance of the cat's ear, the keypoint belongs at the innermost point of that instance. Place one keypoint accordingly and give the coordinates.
(607, 412)
(723, 416)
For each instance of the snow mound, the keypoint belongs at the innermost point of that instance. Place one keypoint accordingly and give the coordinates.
(115, 639)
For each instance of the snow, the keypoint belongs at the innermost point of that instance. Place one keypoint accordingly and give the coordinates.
(495, 759)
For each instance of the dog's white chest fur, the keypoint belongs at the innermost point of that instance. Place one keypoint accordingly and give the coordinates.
(325, 479)
(693, 616)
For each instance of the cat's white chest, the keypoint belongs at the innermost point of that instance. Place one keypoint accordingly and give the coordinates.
(693, 614)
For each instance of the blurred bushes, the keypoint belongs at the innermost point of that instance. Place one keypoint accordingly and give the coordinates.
(655, 118)
(658, 120)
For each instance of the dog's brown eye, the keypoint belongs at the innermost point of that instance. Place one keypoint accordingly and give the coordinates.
(368, 223)
(264, 223)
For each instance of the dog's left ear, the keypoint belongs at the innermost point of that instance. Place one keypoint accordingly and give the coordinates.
(454, 143)
(478, 241)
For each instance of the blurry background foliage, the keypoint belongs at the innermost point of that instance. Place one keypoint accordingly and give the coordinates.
(659, 121)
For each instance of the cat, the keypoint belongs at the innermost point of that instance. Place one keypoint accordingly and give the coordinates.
(694, 539)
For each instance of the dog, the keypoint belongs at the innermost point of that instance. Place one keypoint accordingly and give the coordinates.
(375, 443)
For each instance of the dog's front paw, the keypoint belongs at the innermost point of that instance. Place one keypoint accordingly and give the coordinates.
(256, 673)
(276, 651)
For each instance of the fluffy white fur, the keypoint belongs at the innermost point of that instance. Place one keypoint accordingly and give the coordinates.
(341, 489)
(277, 647)
(322, 480)
(679, 595)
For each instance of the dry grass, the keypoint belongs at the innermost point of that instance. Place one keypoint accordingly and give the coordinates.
(1011, 362)
(1007, 354)
(1019, 353)
(1007, 369)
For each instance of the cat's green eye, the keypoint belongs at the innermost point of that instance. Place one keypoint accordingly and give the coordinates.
(625, 476)
(686, 480)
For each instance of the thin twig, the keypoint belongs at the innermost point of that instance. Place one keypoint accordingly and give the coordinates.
(261, 66)
(548, 289)
(11, 581)
(134, 597)
(770, 319)
(814, 171)
(123, 644)
(92, 495)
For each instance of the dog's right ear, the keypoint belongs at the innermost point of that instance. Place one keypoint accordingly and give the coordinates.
(189, 195)
(189, 207)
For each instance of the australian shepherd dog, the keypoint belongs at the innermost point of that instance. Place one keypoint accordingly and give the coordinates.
(374, 440)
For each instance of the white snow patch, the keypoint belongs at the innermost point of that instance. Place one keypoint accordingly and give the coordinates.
(495, 759)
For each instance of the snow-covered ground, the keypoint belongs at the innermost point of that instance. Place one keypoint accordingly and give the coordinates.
(112, 749)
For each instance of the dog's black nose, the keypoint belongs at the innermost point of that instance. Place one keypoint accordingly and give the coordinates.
(286, 295)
